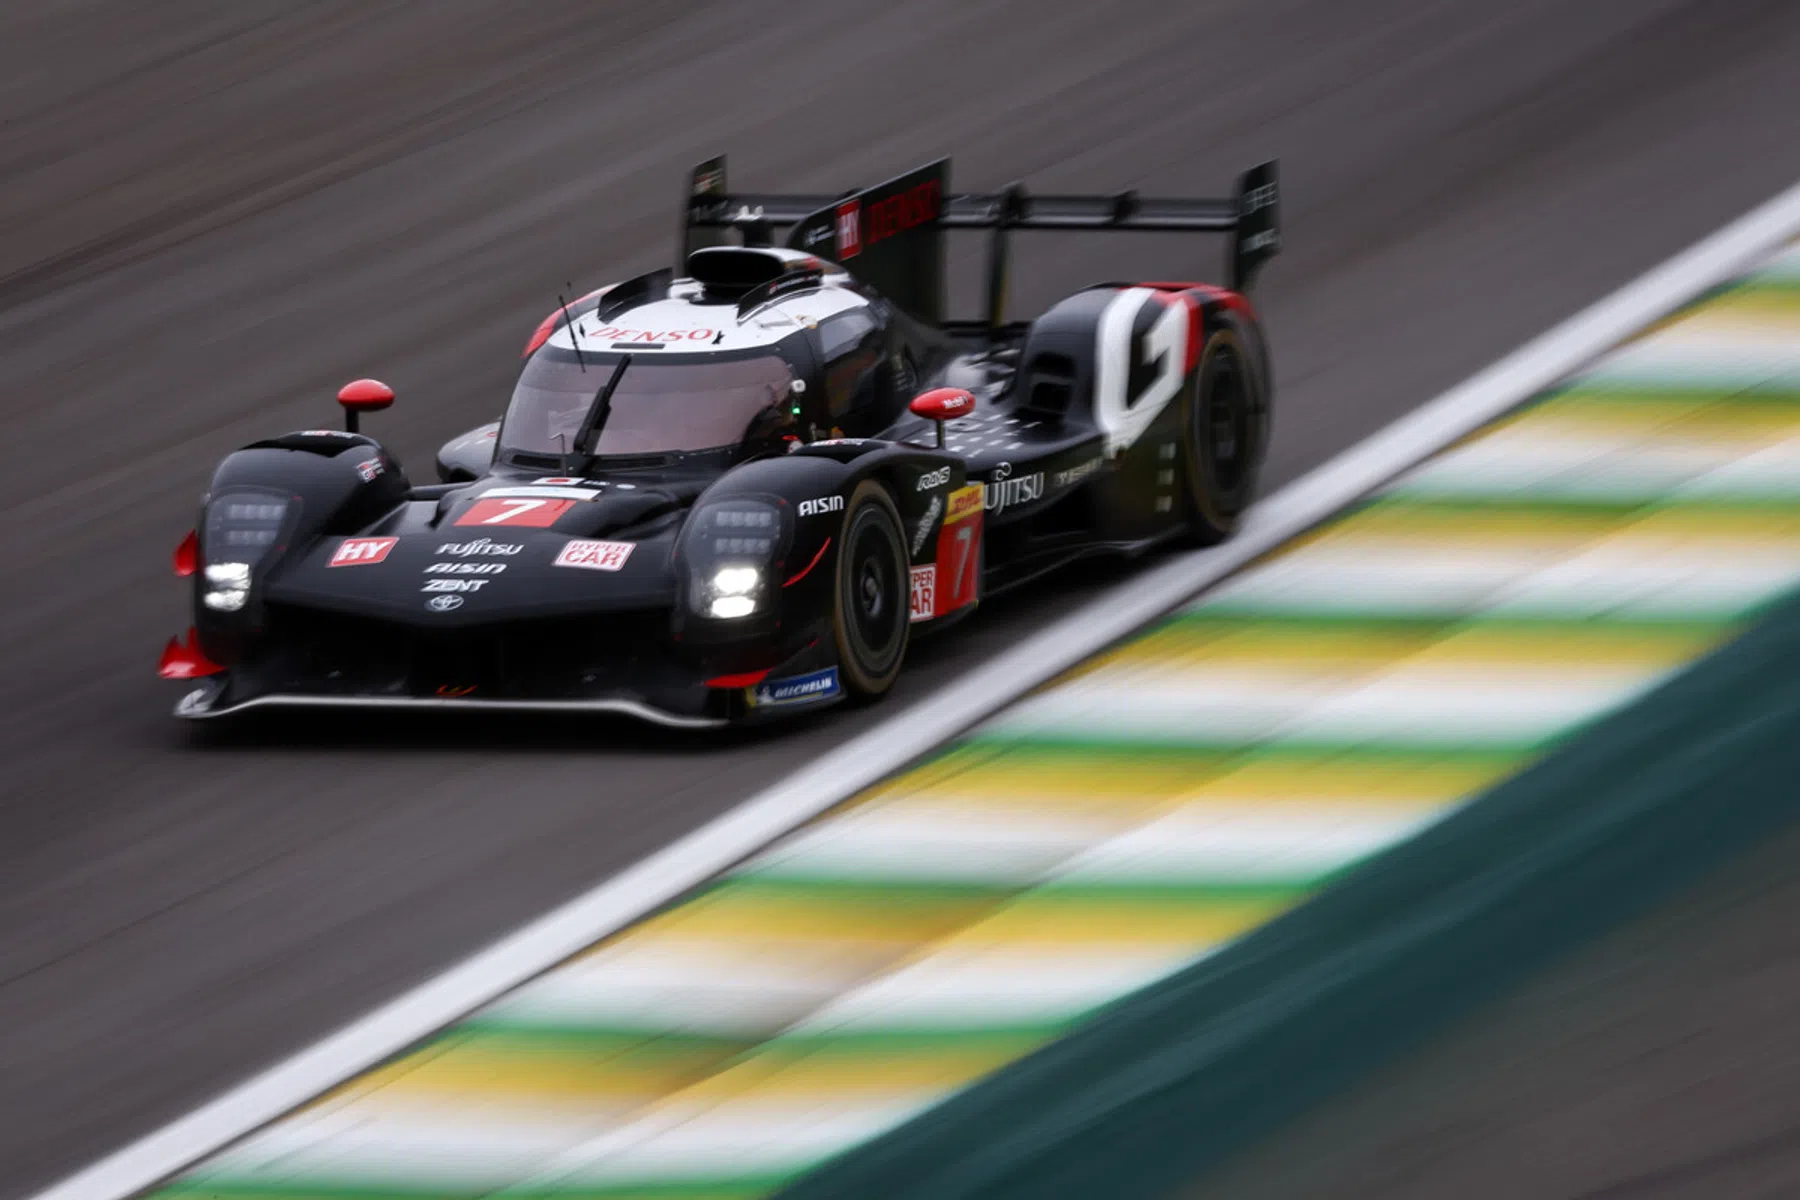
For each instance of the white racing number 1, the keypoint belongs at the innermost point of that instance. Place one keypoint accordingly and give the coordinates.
(1122, 417)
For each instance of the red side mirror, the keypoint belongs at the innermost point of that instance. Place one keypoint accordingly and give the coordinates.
(942, 404)
(361, 396)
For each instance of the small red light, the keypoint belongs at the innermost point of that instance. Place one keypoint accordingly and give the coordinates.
(744, 680)
(187, 555)
(186, 661)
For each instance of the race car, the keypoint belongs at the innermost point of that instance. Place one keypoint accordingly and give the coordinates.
(737, 493)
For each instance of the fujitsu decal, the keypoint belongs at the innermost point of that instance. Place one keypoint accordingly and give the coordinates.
(480, 546)
(1006, 490)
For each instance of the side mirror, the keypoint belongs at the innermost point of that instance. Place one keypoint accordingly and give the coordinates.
(361, 396)
(942, 404)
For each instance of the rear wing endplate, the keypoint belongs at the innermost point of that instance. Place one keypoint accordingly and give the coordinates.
(891, 236)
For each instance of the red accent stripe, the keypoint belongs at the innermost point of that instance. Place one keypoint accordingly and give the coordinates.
(743, 680)
(810, 565)
(1225, 296)
(187, 555)
(185, 661)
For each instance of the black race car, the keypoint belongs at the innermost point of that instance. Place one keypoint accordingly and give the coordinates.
(738, 492)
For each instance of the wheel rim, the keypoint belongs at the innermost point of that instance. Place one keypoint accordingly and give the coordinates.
(873, 605)
(1225, 435)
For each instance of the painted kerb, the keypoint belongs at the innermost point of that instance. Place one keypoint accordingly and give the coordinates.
(1352, 688)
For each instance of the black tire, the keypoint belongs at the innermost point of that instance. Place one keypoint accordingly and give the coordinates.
(871, 603)
(1225, 431)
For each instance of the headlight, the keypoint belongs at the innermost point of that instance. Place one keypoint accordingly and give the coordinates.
(728, 548)
(241, 528)
(227, 586)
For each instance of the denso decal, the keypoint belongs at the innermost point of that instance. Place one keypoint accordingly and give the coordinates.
(924, 593)
(529, 512)
(369, 468)
(796, 689)
(480, 546)
(616, 334)
(916, 206)
(824, 504)
(593, 555)
(1006, 491)
(934, 479)
(454, 585)
(361, 552)
(465, 568)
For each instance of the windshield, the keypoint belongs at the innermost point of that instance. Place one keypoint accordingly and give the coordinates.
(659, 407)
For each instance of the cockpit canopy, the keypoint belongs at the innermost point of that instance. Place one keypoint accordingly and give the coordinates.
(661, 406)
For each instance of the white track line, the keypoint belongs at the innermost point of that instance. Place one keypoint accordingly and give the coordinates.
(891, 745)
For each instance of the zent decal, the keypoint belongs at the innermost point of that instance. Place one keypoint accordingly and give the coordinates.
(361, 552)
(594, 555)
(532, 513)
(1122, 416)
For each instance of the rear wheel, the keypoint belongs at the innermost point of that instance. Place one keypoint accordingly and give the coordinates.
(1224, 433)
(870, 615)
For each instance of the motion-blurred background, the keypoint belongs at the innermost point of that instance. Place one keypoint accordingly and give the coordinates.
(214, 213)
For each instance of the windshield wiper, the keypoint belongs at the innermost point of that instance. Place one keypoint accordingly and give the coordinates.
(577, 462)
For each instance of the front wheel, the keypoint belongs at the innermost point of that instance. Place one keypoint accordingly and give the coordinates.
(1224, 435)
(870, 612)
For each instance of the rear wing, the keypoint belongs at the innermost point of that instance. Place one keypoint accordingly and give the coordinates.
(891, 236)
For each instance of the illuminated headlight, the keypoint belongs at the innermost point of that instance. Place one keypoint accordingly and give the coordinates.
(735, 581)
(731, 547)
(227, 586)
(726, 607)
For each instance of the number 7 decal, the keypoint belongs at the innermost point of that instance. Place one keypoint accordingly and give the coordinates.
(535, 514)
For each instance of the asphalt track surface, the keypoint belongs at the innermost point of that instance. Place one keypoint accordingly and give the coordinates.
(213, 214)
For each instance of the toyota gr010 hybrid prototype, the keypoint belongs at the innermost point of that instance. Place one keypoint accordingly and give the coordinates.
(737, 492)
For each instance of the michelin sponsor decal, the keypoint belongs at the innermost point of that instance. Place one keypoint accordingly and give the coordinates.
(795, 689)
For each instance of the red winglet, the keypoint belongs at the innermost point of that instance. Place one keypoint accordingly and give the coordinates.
(185, 661)
(747, 679)
(187, 555)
